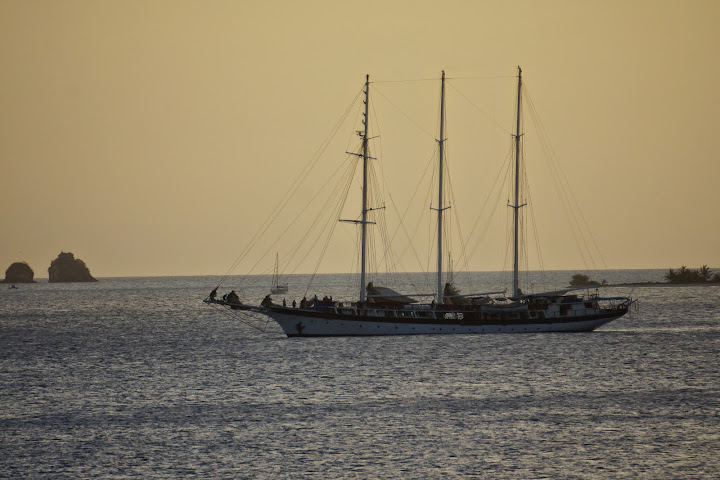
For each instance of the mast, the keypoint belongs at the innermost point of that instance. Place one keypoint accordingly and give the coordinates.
(364, 191)
(440, 191)
(516, 207)
(276, 275)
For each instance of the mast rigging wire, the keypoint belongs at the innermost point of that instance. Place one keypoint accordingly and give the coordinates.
(291, 191)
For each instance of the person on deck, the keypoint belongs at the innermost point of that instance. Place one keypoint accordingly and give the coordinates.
(213, 294)
(232, 297)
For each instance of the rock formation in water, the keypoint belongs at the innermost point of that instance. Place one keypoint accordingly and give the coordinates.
(67, 268)
(19, 272)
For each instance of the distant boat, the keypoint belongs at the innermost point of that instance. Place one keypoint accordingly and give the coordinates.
(276, 286)
(382, 311)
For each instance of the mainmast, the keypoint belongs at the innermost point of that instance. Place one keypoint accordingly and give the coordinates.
(364, 190)
(516, 207)
(441, 142)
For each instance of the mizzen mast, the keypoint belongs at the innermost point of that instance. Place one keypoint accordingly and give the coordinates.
(516, 207)
(440, 208)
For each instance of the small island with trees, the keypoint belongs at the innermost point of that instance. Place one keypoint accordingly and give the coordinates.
(688, 275)
(681, 276)
(581, 280)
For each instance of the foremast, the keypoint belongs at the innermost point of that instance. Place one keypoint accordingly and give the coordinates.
(516, 206)
(363, 222)
(363, 215)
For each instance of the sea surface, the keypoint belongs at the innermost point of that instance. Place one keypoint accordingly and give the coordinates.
(137, 378)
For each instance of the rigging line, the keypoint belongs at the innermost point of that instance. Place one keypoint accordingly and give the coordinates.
(360, 113)
(349, 166)
(432, 223)
(410, 236)
(406, 81)
(389, 259)
(553, 157)
(509, 221)
(483, 112)
(508, 241)
(524, 232)
(381, 225)
(404, 114)
(451, 213)
(330, 223)
(561, 184)
(446, 78)
(237, 316)
(341, 189)
(465, 263)
(527, 199)
(504, 173)
(380, 187)
(570, 213)
(482, 77)
(333, 225)
(291, 191)
(299, 215)
(501, 172)
(417, 188)
(401, 223)
(536, 234)
(298, 181)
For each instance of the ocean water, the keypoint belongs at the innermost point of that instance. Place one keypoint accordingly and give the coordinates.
(136, 378)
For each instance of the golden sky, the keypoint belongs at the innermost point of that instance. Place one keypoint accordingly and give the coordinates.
(154, 137)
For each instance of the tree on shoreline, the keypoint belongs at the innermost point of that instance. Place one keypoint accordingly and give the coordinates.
(687, 275)
(580, 280)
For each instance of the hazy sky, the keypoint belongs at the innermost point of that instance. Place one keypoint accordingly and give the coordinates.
(154, 137)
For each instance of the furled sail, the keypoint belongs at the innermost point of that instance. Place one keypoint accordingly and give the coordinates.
(384, 295)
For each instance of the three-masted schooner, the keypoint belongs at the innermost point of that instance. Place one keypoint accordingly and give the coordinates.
(381, 311)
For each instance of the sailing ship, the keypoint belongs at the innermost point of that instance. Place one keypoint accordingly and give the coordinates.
(276, 286)
(382, 311)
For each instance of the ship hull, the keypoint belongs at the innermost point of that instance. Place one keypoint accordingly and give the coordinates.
(301, 323)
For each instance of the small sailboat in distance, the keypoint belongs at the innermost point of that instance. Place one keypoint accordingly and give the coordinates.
(276, 286)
